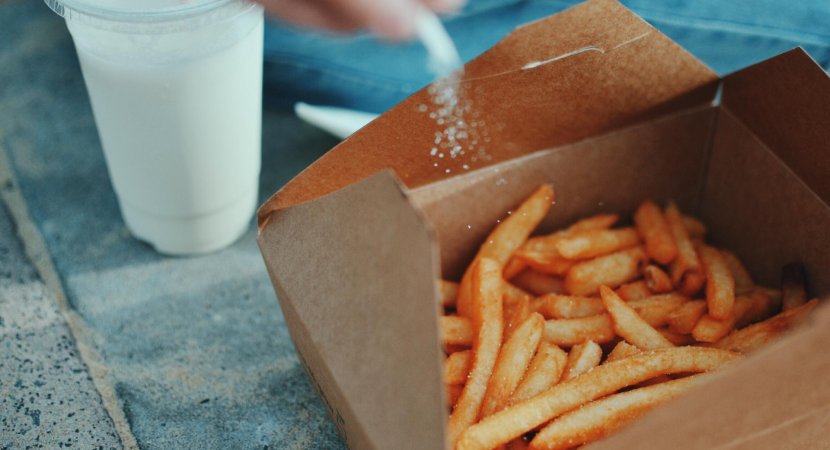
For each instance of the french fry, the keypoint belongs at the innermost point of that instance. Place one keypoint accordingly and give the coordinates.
(569, 332)
(622, 350)
(754, 336)
(507, 237)
(655, 309)
(611, 270)
(545, 262)
(760, 306)
(453, 391)
(517, 444)
(449, 292)
(657, 281)
(457, 367)
(683, 319)
(516, 311)
(654, 231)
(720, 286)
(600, 221)
(743, 281)
(793, 291)
(694, 227)
(605, 379)
(593, 243)
(554, 306)
(692, 283)
(747, 309)
(456, 330)
(629, 325)
(602, 417)
(513, 267)
(546, 369)
(511, 365)
(686, 268)
(677, 339)
(512, 290)
(538, 283)
(488, 324)
(582, 358)
(634, 290)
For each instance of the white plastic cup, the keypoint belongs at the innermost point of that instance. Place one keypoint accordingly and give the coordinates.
(176, 91)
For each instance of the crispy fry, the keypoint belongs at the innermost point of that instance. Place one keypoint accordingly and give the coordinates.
(655, 309)
(488, 324)
(605, 379)
(622, 350)
(748, 309)
(456, 330)
(457, 367)
(687, 264)
(654, 231)
(513, 267)
(554, 306)
(683, 319)
(629, 325)
(569, 332)
(545, 262)
(754, 336)
(611, 270)
(600, 221)
(545, 370)
(677, 339)
(517, 444)
(743, 281)
(793, 291)
(720, 286)
(449, 292)
(538, 283)
(582, 358)
(516, 311)
(760, 306)
(602, 417)
(593, 243)
(453, 391)
(694, 227)
(634, 290)
(693, 282)
(657, 280)
(515, 291)
(507, 237)
(511, 365)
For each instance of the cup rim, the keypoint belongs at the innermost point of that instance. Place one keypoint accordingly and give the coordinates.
(206, 10)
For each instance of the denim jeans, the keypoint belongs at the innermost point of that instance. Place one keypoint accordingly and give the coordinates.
(361, 72)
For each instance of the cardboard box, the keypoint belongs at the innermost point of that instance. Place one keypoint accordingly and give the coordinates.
(355, 243)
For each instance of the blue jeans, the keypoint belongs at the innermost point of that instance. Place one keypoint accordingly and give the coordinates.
(360, 72)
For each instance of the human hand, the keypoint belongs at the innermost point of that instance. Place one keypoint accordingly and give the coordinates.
(392, 19)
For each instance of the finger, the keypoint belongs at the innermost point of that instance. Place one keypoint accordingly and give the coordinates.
(310, 14)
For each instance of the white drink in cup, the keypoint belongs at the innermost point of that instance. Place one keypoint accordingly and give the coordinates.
(176, 91)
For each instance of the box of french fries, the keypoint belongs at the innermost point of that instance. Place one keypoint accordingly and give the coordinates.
(622, 249)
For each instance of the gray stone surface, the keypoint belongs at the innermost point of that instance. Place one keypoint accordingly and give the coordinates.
(47, 399)
(196, 349)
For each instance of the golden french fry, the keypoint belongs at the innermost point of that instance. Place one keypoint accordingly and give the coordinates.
(602, 417)
(683, 319)
(709, 329)
(554, 306)
(600, 221)
(720, 286)
(569, 332)
(743, 281)
(546, 262)
(655, 309)
(692, 283)
(750, 338)
(629, 325)
(582, 358)
(687, 264)
(511, 365)
(516, 311)
(507, 237)
(457, 367)
(593, 243)
(634, 290)
(538, 283)
(612, 270)
(517, 444)
(654, 231)
(449, 292)
(622, 350)
(512, 290)
(657, 280)
(694, 227)
(793, 291)
(453, 391)
(760, 305)
(677, 339)
(605, 379)
(456, 330)
(748, 309)
(545, 370)
(513, 267)
(488, 325)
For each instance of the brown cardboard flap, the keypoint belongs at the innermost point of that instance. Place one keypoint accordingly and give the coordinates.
(777, 398)
(785, 101)
(355, 272)
(620, 70)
